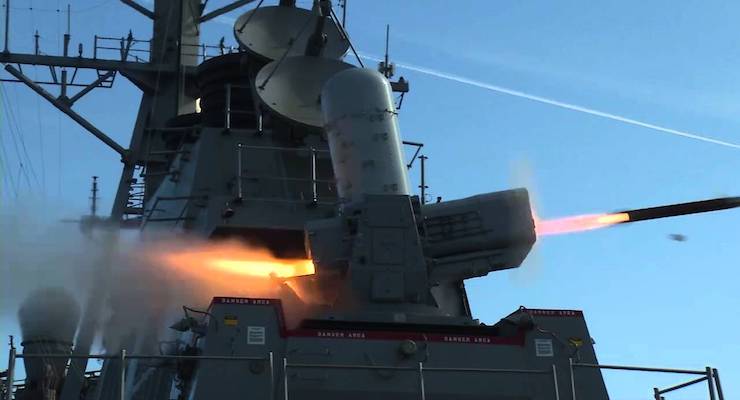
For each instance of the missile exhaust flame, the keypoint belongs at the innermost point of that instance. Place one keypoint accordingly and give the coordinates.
(578, 223)
(233, 259)
(588, 222)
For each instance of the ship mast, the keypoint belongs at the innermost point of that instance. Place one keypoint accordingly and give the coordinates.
(168, 90)
(165, 80)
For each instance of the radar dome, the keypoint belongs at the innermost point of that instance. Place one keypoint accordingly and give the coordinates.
(49, 314)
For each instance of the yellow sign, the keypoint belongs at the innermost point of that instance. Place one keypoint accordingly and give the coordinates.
(231, 320)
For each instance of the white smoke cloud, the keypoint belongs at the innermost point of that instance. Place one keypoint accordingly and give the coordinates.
(132, 292)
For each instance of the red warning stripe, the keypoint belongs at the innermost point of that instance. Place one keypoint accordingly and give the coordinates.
(553, 313)
(393, 335)
(416, 336)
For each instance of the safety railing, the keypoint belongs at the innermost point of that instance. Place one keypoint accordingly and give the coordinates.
(124, 48)
(122, 357)
(313, 180)
(709, 375)
(206, 51)
(421, 370)
(140, 49)
(229, 110)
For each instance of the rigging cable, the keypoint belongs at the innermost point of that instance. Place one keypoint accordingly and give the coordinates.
(28, 163)
(41, 142)
(10, 182)
(19, 142)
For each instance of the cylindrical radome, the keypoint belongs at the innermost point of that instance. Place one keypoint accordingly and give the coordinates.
(362, 128)
(48, 318)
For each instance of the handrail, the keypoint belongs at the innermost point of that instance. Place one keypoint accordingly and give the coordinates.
(313, 179)
(200, 49)
(710, 375)
(123, 357)
(420, 368)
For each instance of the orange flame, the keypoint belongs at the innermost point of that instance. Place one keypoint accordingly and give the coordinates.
(577, 223)
(200, 269)
(236, 259)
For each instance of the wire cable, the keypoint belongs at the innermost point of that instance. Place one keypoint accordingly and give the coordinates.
(24, 156)
(8, 178)
(19, 145)
(9, 183)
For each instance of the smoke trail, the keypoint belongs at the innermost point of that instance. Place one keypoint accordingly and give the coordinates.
(556, 103)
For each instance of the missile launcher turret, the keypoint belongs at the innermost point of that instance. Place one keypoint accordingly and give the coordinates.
(296, 149)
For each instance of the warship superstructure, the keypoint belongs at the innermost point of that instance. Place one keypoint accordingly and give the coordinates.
(285, 144)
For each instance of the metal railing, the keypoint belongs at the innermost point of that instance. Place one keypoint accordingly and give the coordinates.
(420, 369)
(123, 357)
(229, 109)
(313, 178)
(709, 375)
(141, 51)
(125, 48)
(202, 50)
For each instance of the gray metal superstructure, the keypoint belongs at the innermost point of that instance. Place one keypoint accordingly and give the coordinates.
(299, 151)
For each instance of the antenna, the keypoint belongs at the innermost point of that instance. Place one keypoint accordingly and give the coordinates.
(94, 197)
(7, 24)
(387, 36)
(385, 67)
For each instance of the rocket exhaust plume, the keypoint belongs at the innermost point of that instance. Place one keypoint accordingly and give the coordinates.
(235, 259)
(235, 268)
(578, 223)
(581, 223)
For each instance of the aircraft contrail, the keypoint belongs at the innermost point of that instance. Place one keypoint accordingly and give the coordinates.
(556, 103)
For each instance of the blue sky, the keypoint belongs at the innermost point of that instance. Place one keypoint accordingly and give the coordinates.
(647, 300)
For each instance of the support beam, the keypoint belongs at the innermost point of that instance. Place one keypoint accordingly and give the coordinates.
(90, 87)
(83, 62)
(138, 7)
(63, 107)
(223, 10)
(80, 85)
(144, 80)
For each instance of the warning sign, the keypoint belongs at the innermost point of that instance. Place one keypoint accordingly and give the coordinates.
(543, 348)
(256, 335)
(231, 320)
